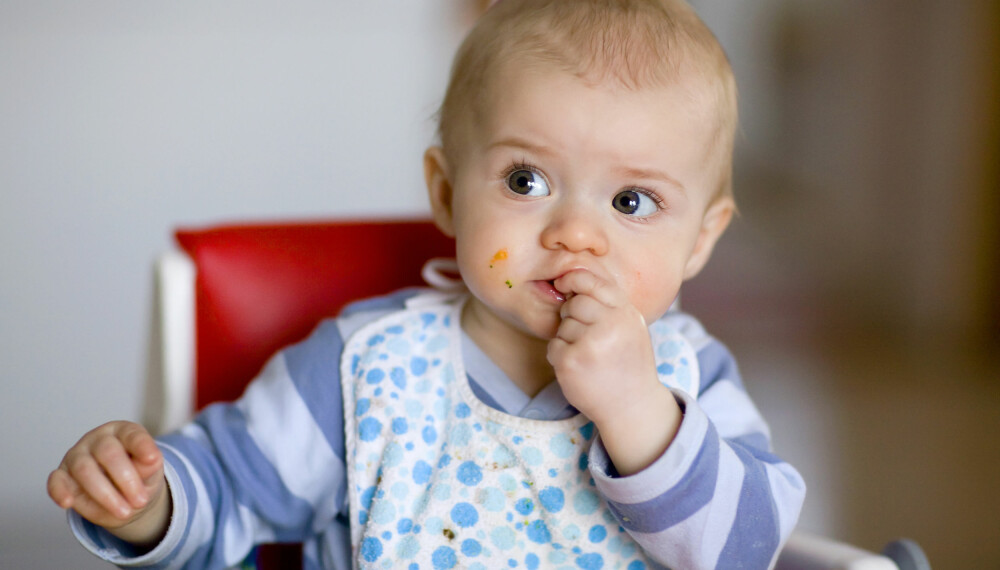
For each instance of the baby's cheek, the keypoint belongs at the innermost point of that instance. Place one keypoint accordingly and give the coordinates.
(652, 293)
(486, 268)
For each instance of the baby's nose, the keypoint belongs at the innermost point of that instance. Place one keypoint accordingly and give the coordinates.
(575, 229)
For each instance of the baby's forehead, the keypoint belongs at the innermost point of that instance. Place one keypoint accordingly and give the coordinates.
(697, 92)
(703, 79)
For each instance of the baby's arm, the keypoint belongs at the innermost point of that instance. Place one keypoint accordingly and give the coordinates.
(716, 497)
(267, 468)
(113, 477)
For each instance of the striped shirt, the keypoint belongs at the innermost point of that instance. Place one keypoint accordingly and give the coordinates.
(270, 467)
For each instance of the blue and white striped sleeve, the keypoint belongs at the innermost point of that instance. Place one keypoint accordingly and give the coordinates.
(267, 468)
(717, 497)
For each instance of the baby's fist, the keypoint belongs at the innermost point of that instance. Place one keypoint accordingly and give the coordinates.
(111, 476)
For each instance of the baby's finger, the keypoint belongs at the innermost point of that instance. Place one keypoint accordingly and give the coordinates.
(72, 496)
(556, 352)
(95, 483)
(571, 330)
(583, 308)
(94, 512)
(141, 446)
(584, 282)
(111, 455)
(62, 488)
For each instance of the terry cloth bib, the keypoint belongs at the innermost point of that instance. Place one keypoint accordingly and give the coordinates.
(437, 479)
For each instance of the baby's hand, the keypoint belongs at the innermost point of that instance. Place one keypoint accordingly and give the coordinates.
(602, 353)
(603, 360)
(112, 477)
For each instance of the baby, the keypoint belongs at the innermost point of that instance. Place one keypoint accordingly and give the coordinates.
(557, 412)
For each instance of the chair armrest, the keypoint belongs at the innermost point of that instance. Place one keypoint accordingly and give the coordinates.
(809, 552)
(169, 398)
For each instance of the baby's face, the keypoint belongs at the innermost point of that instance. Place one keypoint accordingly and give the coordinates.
(563, 175)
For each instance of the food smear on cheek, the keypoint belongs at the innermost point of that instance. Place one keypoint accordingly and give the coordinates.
(499, 256)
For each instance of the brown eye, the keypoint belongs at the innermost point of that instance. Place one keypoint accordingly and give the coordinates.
(527, 183)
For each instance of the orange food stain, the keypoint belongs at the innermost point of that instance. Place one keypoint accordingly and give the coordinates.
(500, 255)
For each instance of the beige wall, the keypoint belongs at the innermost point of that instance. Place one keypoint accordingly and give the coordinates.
(859, 289)
(862, 156)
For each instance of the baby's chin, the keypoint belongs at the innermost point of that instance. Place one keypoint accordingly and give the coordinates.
(543, 327)
(540, 330)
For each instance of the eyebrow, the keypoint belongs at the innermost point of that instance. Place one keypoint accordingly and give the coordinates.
(659, 175)
(518, 142)
(626, 172)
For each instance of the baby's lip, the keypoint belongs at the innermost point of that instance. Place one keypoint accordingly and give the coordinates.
(549, 288)
(551, 282)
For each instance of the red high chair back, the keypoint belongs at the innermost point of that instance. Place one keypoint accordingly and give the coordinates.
(260, 287)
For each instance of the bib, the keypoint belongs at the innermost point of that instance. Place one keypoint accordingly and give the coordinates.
(437, 479)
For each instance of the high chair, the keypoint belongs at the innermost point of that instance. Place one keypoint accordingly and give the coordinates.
(236, 294)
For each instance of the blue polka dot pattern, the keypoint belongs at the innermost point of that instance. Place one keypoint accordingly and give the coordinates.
(464, 515)
(439, 480)
(471, 547)
(552, 499)
(469, 473)
(371, 549)
(444, 558)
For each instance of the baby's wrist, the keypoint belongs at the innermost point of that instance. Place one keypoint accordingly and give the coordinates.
(150, 526)
(634, 440)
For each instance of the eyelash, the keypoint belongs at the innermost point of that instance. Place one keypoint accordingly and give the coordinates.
(661, 205)
(523, 164)
(518, 165)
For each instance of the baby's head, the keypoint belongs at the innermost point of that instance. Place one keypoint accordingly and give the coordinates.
(587, 135)
(635, 44)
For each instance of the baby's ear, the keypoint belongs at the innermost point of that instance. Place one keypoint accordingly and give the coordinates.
(713, 224)
(438, 180)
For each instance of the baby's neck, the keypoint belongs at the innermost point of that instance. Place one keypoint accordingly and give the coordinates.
(520, 356)
(528, 373)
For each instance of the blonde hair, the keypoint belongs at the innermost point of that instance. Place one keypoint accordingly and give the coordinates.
(633, 43)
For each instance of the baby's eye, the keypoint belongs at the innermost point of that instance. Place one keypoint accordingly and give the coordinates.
(527, 183)
(635, 203)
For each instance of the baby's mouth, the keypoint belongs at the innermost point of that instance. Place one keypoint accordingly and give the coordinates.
(550, 286)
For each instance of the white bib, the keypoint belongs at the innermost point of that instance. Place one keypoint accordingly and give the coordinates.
(437, 479)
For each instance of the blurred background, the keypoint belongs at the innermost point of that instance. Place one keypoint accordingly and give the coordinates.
(860, 288)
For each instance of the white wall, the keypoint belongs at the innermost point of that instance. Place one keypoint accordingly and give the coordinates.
(120, 120)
